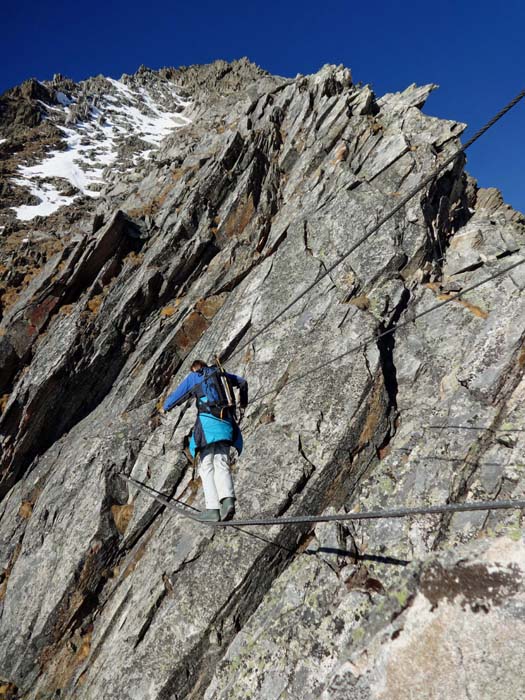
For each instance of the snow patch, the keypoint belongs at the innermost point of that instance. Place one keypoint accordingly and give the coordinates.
(78, 165)
(50, 200)
(92, 144)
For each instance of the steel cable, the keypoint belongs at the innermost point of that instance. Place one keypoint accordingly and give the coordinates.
(395, 326)
(363, 515)
(489, 505)
(427, 180)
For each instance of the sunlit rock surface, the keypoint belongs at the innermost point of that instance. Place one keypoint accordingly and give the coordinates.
(258, 188)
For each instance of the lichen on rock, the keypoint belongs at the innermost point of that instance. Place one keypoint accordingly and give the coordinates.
(247, 202)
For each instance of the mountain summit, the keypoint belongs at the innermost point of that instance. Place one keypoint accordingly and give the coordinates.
(172, 215)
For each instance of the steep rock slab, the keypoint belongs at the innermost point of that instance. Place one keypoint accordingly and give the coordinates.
(242, 210)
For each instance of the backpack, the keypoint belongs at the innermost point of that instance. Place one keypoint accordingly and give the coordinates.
(215, 394)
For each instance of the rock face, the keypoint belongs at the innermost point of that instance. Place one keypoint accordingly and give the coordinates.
(253, 194)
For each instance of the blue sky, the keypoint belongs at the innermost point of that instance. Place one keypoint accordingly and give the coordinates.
(473, 50)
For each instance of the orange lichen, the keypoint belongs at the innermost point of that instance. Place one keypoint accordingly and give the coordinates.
(171, 310)
(63, 663)
(374, 415)
(84, 648)
(8, 691)
(67, 309)
(362, 302)
(239, 219)
(139, 553)
(476, 310)
(30, 275)
(95, 303)
(168, 311)
(193, 488)
(341, 153)
(26, 509)
(453, 296)
(191, 330)
(208, 307)
(133, 258)
(9, 297)
(122, 516)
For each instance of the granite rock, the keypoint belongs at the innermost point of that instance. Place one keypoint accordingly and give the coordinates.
(263, 184)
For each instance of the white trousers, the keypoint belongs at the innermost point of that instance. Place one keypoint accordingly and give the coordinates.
(214, 470)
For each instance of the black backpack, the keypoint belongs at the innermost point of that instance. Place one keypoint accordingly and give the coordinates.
(216, 394)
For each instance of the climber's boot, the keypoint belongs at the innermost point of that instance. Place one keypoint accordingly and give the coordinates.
(227, 508)
(211, 515)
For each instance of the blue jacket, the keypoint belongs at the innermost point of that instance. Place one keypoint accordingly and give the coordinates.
(209, 428)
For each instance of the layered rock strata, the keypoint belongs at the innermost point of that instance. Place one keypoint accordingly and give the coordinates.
(105, 593)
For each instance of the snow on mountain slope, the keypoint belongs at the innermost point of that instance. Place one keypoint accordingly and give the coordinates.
(103, 122)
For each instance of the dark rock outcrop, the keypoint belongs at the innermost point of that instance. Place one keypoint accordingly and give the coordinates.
(104, 593)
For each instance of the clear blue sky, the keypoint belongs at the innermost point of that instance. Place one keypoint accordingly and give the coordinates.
(473, 50)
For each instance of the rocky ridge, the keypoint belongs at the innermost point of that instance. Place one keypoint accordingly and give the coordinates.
(104, 593)
(91, 125)
(60, 143)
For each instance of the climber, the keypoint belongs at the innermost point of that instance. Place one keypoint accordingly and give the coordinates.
(215, 431)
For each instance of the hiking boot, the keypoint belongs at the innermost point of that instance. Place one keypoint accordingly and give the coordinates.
(227, 508)
(211, 515)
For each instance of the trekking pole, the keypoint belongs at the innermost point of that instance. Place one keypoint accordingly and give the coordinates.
(227, 388)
